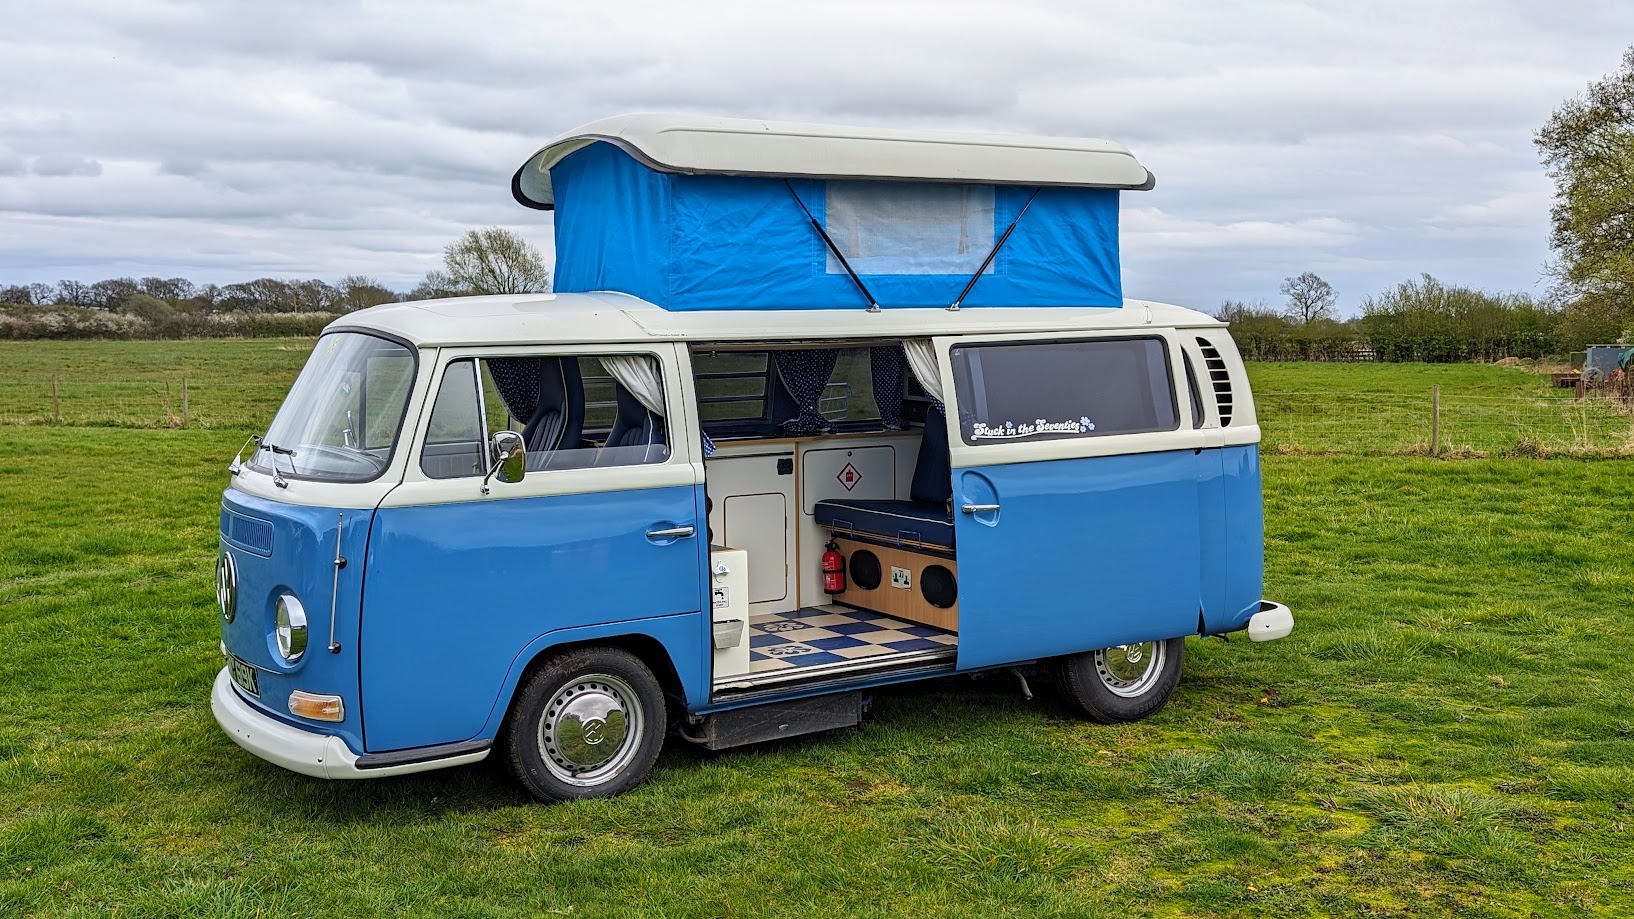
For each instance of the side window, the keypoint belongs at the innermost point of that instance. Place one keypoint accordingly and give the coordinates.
(573, 412)
(1052, 390)
(456, 438)
(732, 385)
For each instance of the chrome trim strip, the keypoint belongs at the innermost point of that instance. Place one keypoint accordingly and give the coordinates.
(334, 587)
(421, 754)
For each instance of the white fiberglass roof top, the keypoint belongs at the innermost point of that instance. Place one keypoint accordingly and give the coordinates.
(526, 319)
(697, 145)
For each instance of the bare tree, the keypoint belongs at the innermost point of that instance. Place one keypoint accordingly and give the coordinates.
(1238, 310)
(72, 293)
(112, 293)
(1309, 298)
(492, 260)
(355, 291)
(169, 289)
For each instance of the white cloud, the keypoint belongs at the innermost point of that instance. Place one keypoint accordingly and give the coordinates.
(59, 165)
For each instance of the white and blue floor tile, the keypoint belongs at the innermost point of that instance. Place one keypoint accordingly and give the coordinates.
(832, 635)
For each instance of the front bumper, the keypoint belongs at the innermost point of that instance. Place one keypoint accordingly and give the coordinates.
(1273, 621)
(323, 756)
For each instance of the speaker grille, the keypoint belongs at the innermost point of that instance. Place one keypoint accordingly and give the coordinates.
(938, 586)
(865, 569)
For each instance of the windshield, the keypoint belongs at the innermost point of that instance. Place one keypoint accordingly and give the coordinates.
(340, 421)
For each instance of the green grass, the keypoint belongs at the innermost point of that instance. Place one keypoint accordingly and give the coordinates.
(231, 383)
(1448, 732)
(1386, 409)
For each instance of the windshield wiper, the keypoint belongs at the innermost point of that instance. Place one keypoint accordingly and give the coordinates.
(262, 443)
(268, 445)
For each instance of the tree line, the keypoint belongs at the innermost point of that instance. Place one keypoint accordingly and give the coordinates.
(486, 261)
(1421, 319)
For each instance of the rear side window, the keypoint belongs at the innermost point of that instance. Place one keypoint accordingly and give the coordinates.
(1052, 390)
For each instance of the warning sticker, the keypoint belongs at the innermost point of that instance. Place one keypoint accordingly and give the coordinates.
(722, 597)
(849, 477)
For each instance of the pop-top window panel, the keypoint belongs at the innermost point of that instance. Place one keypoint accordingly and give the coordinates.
(1054, 390)
(902, 228)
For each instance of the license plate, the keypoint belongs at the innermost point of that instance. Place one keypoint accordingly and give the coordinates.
(244, 675)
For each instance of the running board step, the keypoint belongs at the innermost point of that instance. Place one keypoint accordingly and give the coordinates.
(772, 720)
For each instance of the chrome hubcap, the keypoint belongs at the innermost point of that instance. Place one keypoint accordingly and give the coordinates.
(1130, 670)
(590, 730)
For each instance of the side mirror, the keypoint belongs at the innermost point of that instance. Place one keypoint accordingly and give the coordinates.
(510, 459)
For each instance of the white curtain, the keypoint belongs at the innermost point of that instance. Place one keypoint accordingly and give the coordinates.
(922, 360)
(639, 375)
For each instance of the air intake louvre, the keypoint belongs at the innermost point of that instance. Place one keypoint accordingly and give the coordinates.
(1220, 379)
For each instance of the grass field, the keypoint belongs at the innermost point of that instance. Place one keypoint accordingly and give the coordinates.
(137, 384)
(1448, 732)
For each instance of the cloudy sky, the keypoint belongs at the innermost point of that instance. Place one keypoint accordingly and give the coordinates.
(225, 140)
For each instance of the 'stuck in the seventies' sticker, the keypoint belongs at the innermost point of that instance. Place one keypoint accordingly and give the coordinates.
(1011, 431)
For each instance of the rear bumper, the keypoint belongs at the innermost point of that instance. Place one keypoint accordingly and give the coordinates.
(1273, 621)
(323, 756)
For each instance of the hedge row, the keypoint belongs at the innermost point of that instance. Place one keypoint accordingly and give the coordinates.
(72, 322)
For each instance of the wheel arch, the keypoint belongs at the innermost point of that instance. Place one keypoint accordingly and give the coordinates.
(655, 652)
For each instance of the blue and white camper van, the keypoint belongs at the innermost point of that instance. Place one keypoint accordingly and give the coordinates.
(813, 410)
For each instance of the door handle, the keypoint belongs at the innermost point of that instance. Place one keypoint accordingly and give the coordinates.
(680, 532)
(980, 508)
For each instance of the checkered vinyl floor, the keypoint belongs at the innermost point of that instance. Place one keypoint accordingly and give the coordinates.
(818, 636)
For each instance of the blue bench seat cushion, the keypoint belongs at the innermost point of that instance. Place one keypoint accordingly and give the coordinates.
(897, 521)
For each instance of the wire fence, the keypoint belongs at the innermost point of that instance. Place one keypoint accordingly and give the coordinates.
(1381, 423)
(1397, 423)
(142, 404)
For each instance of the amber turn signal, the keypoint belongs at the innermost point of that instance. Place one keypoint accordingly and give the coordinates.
(316, 707)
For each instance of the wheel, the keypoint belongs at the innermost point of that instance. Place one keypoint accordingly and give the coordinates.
(587, 724)
(1123, 683)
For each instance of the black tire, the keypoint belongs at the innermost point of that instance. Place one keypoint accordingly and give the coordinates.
(1109, 687)
(570, 706)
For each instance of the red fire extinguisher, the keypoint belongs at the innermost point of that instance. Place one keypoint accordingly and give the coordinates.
(833, 569)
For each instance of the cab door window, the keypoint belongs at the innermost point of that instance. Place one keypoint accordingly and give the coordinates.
(573, 412)
(1051, 390)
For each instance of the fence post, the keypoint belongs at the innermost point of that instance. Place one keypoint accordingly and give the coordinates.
(1435, 420)
(56, 402)
(184, 402)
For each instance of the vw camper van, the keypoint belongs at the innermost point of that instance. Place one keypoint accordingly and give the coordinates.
(812, 411)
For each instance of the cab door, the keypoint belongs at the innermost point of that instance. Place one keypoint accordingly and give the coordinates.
(459, 582)
(1075, 493)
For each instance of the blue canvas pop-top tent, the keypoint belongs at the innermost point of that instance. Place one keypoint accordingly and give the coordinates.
(710, 213)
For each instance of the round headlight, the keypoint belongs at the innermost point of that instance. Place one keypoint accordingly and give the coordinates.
(227, 585)
(291, 628)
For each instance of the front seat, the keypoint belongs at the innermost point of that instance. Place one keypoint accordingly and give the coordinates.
(637, 435)
(558, 413)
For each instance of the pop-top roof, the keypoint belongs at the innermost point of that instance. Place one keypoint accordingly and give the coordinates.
(529, 319)
(695, 145)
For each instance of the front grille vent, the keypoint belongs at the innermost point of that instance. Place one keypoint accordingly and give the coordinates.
(1219, 378)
